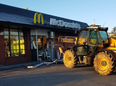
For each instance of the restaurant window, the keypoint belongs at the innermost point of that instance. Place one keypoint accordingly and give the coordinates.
(14, 43)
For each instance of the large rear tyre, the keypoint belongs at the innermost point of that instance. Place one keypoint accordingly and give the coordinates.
(104, 63)
(70, 61)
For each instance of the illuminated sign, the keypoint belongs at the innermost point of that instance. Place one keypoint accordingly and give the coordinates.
(38, 17)
(62, 23)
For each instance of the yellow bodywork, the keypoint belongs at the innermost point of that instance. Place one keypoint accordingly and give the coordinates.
(82, 40)
(112, 44)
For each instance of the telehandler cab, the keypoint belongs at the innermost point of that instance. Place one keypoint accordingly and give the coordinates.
(92, 47)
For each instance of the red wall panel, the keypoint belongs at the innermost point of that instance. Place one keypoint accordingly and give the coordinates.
(2, 50)
(27, 45)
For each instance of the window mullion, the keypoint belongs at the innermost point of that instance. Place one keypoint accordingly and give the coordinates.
(9, 42)
(19, 43)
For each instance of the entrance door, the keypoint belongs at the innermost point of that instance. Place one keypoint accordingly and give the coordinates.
(38, 44)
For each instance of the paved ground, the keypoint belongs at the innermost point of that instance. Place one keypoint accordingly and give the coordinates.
(55, 75)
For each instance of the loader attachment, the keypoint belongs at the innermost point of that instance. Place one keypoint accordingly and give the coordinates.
(61, 49)
(67, 39)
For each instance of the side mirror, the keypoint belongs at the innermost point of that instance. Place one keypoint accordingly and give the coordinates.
(76, 40)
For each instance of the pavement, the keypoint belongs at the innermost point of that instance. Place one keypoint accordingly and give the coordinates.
(19, 65)
(32, 64)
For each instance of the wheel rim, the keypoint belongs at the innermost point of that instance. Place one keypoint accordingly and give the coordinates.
(102, 63)
(68, 59)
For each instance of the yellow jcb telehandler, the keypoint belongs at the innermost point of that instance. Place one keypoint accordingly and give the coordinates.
(92, 47)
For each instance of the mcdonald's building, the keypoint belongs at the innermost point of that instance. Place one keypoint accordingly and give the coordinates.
(27, 35)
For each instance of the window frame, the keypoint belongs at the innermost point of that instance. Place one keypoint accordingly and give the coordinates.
(9, 35)
(100, 45)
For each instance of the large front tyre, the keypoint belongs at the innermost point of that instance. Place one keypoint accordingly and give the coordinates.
(104, 62)
(70, 61)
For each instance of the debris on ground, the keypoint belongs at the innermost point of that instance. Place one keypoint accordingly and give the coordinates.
(47, 63)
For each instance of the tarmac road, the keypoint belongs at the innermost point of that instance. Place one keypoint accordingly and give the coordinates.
(55, 75)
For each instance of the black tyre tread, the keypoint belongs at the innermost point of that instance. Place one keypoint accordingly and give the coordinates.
(110, 57)
(73, 62)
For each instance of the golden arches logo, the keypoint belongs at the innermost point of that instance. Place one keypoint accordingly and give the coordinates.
(38, 17)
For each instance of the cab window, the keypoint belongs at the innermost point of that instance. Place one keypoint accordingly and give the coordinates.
(104, 36)
(83, 37)
(95, 38)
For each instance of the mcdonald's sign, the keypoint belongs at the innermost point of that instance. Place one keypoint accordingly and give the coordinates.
(38, 17)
